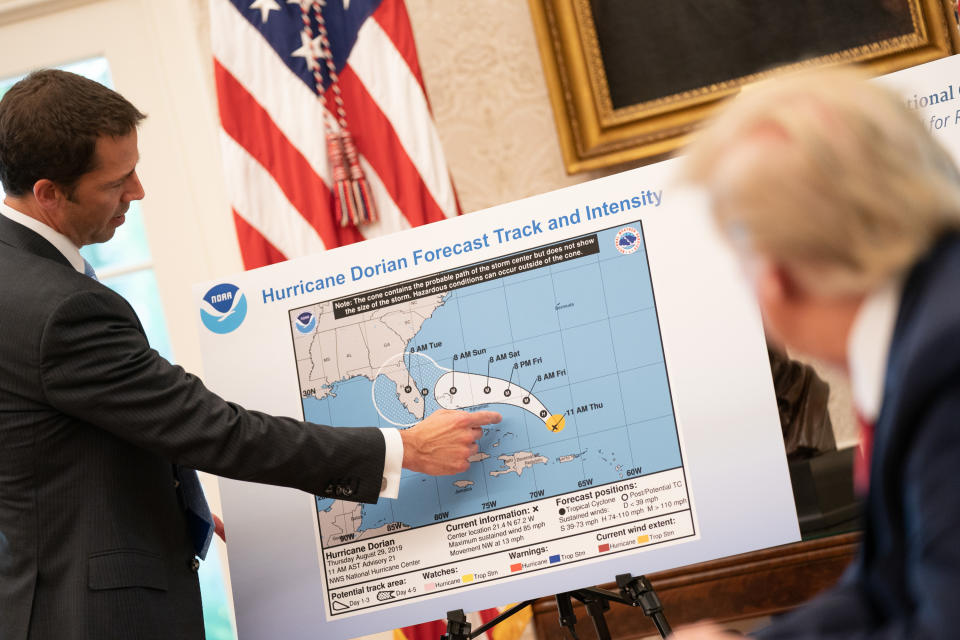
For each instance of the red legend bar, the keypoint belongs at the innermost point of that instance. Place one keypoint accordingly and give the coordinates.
(516, 567)
(604, 547)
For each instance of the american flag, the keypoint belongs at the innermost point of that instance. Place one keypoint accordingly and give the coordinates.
(274, 150)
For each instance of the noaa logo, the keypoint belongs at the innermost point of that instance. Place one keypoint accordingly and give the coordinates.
(306, 322)
(224, 309)
(627, 240)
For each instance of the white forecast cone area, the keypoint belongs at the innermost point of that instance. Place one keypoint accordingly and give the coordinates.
(458, 390)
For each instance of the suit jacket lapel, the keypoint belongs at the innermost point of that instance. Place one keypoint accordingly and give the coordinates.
(18, 236)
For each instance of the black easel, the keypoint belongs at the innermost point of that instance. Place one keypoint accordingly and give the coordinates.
(635, 592)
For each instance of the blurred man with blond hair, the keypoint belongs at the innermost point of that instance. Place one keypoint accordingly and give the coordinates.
(845, 214)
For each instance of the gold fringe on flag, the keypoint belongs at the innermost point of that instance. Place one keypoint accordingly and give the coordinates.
(352, 200)
(363, 201)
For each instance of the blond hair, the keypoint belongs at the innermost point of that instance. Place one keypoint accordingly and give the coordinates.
(828, 174)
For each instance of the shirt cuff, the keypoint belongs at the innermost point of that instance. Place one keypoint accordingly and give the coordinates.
(392, 463)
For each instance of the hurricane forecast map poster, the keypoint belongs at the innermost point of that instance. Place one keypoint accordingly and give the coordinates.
(608, 325)
(554, 338)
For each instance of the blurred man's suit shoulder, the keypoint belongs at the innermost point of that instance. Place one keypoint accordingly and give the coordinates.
(904, 579)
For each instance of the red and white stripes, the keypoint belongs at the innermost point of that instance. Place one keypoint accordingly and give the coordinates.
(274, 151)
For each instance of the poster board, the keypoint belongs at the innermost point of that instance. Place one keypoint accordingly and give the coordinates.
(650, 438)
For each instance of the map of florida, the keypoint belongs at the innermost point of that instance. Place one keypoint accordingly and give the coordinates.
(368, 345)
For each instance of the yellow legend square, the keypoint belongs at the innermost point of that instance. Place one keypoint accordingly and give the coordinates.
(467, 578)
(643, 539)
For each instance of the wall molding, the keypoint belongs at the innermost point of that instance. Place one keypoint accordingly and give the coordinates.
(16, 10)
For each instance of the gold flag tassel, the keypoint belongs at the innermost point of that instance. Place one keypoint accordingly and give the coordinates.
(365, 208)
(344, 209)
(352, 199)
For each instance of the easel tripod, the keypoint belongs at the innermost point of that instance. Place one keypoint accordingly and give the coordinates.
(635, 592)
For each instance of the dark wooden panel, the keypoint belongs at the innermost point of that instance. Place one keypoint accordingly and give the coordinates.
(746, 586)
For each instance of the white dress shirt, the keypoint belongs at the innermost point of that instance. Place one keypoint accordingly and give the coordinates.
(393, 460)
(63, 244)
(868, 347)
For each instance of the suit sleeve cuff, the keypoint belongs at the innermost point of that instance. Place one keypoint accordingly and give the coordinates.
(392, 463)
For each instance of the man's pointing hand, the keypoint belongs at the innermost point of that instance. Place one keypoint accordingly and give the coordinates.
(441, 444)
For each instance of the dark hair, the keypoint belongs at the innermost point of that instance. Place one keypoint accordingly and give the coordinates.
(49, 125)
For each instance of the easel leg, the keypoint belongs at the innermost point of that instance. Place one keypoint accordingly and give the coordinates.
(568, 618)
(597, 608)
(636, 592)
(459, 629)
(457, 626)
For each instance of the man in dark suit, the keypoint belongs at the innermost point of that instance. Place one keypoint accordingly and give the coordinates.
(845, 213)
(99, 435)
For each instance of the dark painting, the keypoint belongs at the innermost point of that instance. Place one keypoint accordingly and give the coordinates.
(657, 48)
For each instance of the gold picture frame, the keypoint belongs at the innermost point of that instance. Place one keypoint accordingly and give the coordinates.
(599, 127)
